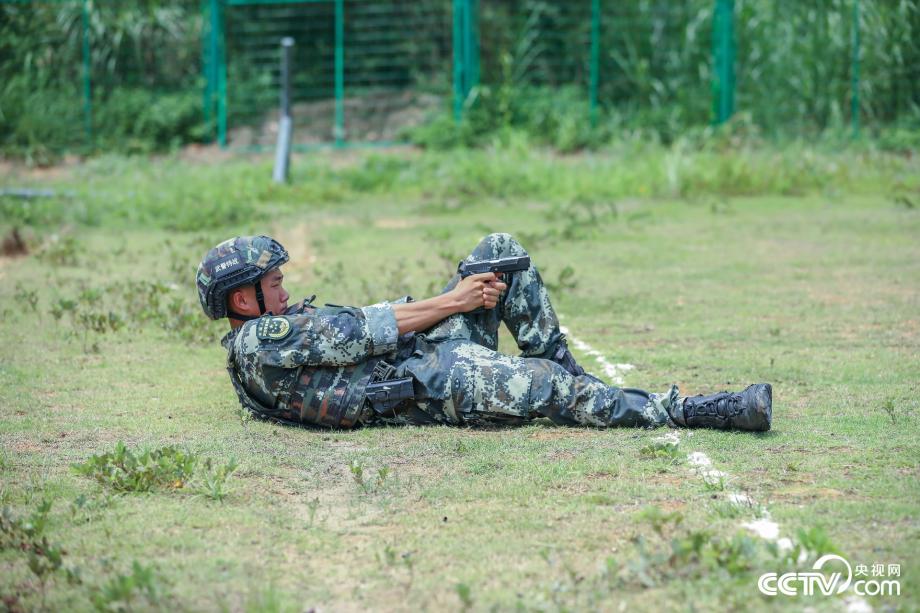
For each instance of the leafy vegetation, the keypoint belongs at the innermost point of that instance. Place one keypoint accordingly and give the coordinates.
(165, 468)
(655, 71)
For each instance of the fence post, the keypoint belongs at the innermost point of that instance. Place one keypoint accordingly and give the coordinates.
(723, 51)
(595, 60)
(220, 68)
(285, 123)
(87, 77)
(459, 56)
(339, 129)
(472, 44)
(466, 52)
(209, 63)
(854, 71)
(205, 61)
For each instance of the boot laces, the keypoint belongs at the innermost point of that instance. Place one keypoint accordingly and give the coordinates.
(724, 405)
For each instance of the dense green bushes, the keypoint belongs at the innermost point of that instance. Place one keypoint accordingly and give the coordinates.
(143, 77)
(794, 71)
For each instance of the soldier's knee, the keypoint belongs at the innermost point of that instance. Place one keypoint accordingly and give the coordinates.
(500, 245)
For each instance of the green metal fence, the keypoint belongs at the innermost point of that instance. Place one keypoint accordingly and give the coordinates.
(98, 74)
(361, 70)
(85, 74)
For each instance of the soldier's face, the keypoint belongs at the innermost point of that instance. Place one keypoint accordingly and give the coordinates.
(276, 298)
(243, 300)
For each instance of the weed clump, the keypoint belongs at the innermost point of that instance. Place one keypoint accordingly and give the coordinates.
(125, 592)
(663, 448)
(365, 485)
(163, 469)
(27, 534)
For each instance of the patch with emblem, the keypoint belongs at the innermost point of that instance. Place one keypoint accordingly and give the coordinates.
(273, 328)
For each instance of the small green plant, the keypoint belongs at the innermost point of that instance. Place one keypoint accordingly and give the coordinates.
(245, 416)
(312, 508)
(663, 448)
(714, 482)
(815, 542)
(365, 485)
(357, 473)
(692, 554)
(123, 470)
(736, 555)
(28, 297)
(64, 306)
(728, 510)
(108, 309)
(212, 481)
(17, 532)
(61, 251)
(889, 408)
(85, 509)
(267, 600)
(27, 535)
(660, 520)
(127, 592)
(391, 560)
(165, 468)
(466, 595)
(565, 280)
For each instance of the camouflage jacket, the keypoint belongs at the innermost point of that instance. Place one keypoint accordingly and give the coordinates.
(311, 365)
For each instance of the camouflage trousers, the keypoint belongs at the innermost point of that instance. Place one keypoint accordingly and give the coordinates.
(461, 378)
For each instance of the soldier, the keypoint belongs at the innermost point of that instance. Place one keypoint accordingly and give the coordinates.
(436, 360)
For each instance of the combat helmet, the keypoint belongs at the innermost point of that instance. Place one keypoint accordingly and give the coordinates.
(236, 262)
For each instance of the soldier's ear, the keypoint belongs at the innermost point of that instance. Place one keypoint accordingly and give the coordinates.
(237, 301)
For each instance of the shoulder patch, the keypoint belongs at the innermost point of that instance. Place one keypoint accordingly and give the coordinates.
(273, 328)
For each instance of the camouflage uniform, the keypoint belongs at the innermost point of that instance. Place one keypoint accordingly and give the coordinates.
(312, 364)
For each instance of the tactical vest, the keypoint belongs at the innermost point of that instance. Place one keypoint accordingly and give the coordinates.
(323, 396)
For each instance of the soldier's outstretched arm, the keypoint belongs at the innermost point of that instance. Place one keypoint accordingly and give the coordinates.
(350, 336)
(475, 291)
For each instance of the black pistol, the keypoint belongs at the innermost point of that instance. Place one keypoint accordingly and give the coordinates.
(386, 396)
(515, 264)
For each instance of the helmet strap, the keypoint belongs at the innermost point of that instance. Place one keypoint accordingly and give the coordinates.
(260, 297)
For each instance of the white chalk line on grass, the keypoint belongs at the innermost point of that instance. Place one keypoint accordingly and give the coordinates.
(614, 372)
(762, 525)
(700, 463)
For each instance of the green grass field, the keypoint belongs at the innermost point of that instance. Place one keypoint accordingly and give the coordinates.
(711, 270)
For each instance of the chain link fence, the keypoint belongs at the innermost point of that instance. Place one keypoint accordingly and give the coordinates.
(136, 75)
(79, 75)
(362, 71)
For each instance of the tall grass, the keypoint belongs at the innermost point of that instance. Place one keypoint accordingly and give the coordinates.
(173, 193)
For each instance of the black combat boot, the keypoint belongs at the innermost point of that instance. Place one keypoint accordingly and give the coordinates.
(751, 409)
